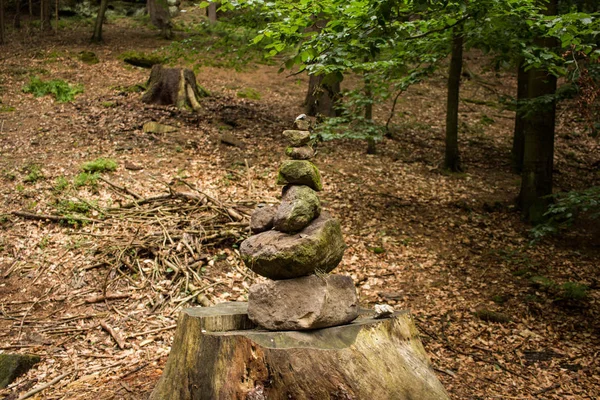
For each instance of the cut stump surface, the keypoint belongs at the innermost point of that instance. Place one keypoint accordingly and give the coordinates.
(218, 354)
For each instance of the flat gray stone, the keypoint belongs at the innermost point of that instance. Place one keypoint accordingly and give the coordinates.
(300, 153)
(310, 302)
(297, 138)
(277, 255)
(299, 206)
(262, 219)
(299, 172)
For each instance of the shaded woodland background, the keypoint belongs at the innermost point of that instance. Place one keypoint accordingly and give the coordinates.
(501, 315)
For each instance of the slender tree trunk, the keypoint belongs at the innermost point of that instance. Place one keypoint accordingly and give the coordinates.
(212, 11)
(17, 20)
(371, 143)
(45, 15)
(518, 135)
(368, 95)
(1, 21)
(323, 93)
(56, 15)
(452, 156)
(97, 36)
(538, 151)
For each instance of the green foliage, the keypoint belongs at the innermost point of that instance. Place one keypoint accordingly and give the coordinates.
(68, 207)
(86, 179)
(565, 210)
(570, 291)
(574, 291)
(141, 59)
(100, 165)
(34, 173)
(61, 184)
(230, 40)
(61, 90)
(4, 108)
(88, 57)
(248, 93)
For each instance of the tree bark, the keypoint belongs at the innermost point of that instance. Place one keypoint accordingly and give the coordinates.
(212, 11)
(217, 354)
(452, 155)
(1, 21)
(97, 35)
(17, 20)
(160, 17)
(323, 93)
(173, 86)
(518, 135)
(538, 150)
(45, 17)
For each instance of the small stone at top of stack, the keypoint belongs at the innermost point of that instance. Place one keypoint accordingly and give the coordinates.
(299, 148)
(295, 244)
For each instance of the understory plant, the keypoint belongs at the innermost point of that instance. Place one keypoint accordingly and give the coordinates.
(62, 91)
(566, 209)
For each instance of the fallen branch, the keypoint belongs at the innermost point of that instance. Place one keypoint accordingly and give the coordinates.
(44, 386)
(99, 298)
(115, 335)
(121, 188)
(166, 328)
(55, 218)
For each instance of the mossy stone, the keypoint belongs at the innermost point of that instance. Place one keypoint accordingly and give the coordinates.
(276, 255)
(88, 57)
(299, 206)
(14, 365)
(297, 138)
(300, 172)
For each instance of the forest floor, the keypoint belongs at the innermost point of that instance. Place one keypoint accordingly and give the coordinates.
(493, 314)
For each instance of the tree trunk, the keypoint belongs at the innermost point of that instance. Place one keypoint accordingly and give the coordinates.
(160, 17)
(97, 35)
(17, 20)
(538, 128)
(452, 156)
(1, 22)
(173, 86)
(212, 11)
(323, 93)
(45, 17)
(518, 135)
(217, 354)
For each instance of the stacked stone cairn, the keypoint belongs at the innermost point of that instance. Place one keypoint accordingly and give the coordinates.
(296, 245)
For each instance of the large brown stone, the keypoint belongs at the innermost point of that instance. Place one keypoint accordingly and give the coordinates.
(299, 206)
(277, 255)
(310, 302)
(299, 172)
(261, 219)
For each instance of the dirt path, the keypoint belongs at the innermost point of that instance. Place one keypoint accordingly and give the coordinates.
(449, 247)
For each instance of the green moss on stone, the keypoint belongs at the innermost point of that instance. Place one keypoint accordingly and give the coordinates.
(300, 172)
(14, 365)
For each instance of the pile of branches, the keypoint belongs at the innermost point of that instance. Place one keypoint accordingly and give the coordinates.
(165, 238)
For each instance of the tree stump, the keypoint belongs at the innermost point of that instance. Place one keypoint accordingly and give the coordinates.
(176, 86)
(217, 353)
